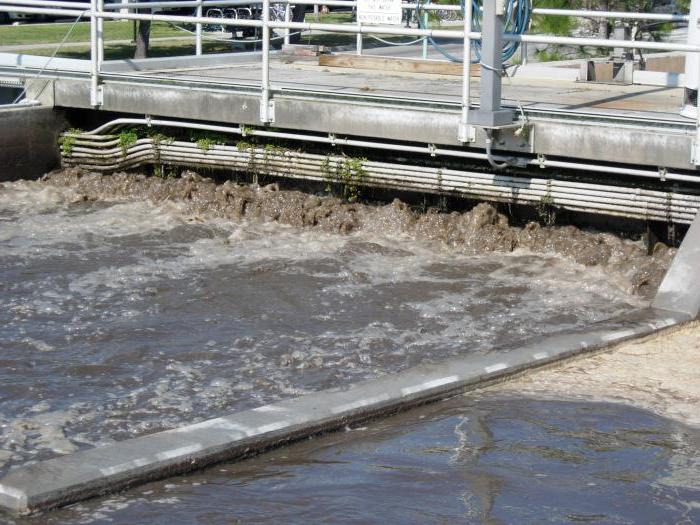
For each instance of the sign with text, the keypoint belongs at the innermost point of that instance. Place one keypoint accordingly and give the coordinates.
(379, 12)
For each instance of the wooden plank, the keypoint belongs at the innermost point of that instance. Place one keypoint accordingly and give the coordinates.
(401, 65)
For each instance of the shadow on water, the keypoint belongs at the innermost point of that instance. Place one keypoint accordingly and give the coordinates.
(485, 459)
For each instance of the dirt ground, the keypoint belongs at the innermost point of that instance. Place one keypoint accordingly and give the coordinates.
(660, 373)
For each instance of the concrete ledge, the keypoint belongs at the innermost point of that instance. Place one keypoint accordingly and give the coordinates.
(680, 289)
(76, 477)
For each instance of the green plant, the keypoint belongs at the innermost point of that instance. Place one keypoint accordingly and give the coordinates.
(157, 139)
(160, 138)
(348, 172)
(546, 210)
(165, 171)
(127, 138)
(206, 140)
(67, 141)
(244, 146)
(547, 55)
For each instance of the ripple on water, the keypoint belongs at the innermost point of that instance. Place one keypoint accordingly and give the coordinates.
(123, 318)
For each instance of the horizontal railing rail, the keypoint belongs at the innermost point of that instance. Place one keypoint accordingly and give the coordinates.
(96, 11)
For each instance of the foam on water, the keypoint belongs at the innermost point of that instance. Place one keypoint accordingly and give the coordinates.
(122, 318)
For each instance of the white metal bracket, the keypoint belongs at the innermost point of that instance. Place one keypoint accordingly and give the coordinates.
(695, 148)
(97, 97)
(662, 174)
(466, 133)
(267, 117)
(433, 150)
(331, 137)
(542, 161)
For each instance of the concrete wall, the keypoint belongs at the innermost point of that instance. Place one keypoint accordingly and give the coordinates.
(29, 141)
(680, 289)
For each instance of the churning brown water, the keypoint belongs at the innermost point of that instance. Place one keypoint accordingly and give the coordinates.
(132, 304)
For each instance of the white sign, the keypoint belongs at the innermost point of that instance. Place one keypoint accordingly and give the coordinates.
(379, 12)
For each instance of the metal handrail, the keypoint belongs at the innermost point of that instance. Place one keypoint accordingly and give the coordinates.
(98, 12)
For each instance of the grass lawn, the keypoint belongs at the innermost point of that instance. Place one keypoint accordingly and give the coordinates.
(114, 30)
(54, 33)
(119, 30)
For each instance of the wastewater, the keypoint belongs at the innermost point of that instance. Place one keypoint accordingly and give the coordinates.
(485, 458)
(130, 305)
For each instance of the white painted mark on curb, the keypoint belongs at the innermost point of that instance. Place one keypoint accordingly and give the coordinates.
(272, 427)
(540, 355)
(123, 467)
(181, 451)
(269, 408)
(360, 403)
(428, 385)
(13, 493)
(618, 335)
(496, 367)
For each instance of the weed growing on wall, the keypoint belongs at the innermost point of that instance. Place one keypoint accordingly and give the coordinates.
(348, 173)
(67, 141)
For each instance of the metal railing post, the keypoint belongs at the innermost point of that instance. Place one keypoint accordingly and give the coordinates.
(198, 30)
(695, 156)
(426, 20)
(466, 133)
(523, 54)
(287, 18)
(100, 35)
(359, 38)
(266, 113)
(95, 91)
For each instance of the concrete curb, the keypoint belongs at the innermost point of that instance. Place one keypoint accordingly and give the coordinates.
(102, 470)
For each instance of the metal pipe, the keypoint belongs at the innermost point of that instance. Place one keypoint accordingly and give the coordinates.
(287, 18)
(351, 28)
(265, 116)
(100, 36)
(655, 205)
(610, 194)
(618, 15)
(198, 30)
(597, 42)
(45, 3)
(426, 23)
(464, 154)
(465, 134)
(358, 42)
(94, 57)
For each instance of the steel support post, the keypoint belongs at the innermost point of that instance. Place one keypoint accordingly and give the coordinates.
(287, 18)
(95, 88)
(198, 30)
(695, 153)
(490, 114)
(466, 132)
(266, 108)
(100, 35)
(692, 70)
(426, 21)
(359, 38)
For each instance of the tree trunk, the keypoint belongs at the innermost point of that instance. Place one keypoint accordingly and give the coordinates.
(143, 35)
